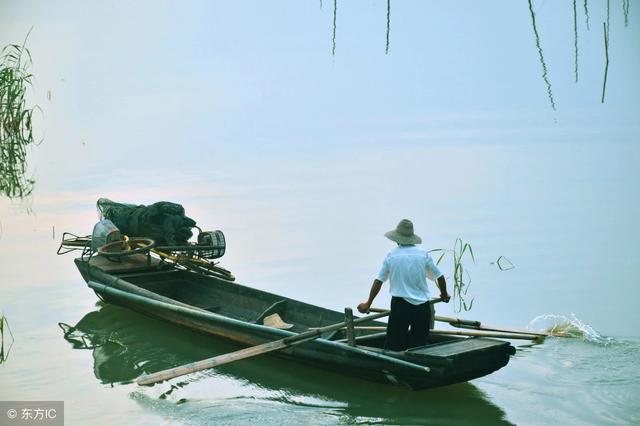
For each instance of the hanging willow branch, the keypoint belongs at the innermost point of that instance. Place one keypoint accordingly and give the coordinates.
(16, 132)
(606, 59)
(545, 74)
(333, 38)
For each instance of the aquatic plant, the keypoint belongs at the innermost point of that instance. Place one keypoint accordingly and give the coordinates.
(16, 131)
(461, 277)
(503, 263)
(4, 324)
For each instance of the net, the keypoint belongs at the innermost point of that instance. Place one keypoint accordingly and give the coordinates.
(164, 222)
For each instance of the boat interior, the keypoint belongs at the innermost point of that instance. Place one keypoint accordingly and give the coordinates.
(260, 307)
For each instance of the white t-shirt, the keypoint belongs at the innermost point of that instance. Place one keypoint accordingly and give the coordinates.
(407, 268)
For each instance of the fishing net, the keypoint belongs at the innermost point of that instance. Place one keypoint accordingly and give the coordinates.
(164, 222)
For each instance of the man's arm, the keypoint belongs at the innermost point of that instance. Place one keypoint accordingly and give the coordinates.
(442, 285)
(363, 308)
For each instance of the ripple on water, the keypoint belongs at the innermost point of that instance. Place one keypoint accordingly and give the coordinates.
(590, 375)
(274, 410)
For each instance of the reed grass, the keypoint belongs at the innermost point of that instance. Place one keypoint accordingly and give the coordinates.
(4, 325)
(16, 130)
(503, 263)
(461, 277)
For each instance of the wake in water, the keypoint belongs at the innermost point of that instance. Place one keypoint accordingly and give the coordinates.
(560, 325)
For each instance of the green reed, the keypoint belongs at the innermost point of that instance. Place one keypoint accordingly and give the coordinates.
(503, 263)
(608, 16)
(16, 130)
(4, 325)
(461, 277)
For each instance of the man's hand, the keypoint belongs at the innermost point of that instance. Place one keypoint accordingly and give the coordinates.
(442, 285)
(363, 308)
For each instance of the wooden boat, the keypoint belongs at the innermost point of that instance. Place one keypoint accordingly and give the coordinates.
(218, 307)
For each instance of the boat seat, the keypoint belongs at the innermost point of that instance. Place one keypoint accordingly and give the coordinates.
(451, 348)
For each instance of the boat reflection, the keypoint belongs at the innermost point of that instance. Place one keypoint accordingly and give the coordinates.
(126, 344)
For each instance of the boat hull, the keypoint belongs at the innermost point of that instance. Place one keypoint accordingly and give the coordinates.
(141, 292)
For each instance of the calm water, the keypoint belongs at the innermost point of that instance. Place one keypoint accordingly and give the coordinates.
(305, 130)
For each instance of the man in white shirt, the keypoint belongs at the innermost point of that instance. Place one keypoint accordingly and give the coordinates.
(407, 267)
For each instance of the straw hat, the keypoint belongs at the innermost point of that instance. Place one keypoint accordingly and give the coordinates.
(403, 234)
(275, 321)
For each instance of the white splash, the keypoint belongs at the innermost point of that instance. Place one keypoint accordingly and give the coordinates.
(560, 325)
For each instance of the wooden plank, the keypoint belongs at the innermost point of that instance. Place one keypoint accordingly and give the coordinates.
(348, 319)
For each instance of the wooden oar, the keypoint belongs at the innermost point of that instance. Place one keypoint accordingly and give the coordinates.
(195, 262)
(522, 336)
(505, 330)
(454, 321)
(466, 333)
(477, 325)
(148, 379)
(442, 319)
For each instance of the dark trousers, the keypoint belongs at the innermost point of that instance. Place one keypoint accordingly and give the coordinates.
(404, 315)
